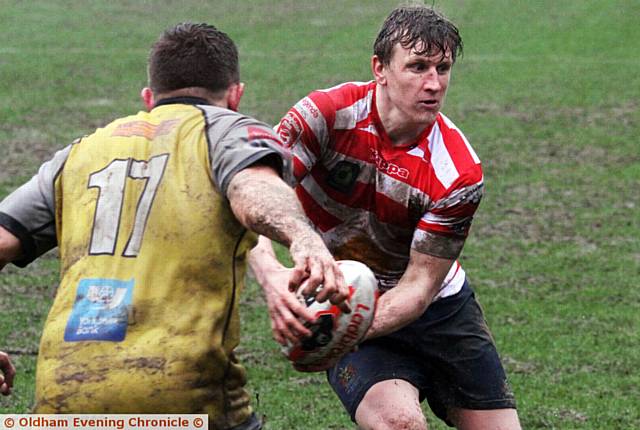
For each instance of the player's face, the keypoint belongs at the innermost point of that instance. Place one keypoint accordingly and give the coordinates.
(416, 85)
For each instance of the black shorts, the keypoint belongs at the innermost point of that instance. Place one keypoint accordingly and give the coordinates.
(448, 354)
(252, 423)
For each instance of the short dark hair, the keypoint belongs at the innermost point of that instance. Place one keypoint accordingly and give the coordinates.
(193, 55)
(420, 26)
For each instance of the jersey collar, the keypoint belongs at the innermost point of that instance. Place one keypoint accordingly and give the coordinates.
(181, 100)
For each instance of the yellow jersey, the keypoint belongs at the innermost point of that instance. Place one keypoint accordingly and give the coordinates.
(145, 319)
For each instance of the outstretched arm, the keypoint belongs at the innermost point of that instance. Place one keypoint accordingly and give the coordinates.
(265, 204)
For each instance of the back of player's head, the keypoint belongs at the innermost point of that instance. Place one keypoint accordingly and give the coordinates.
(417, 27)
(193, 55)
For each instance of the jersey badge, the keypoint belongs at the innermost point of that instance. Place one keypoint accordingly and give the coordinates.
(343, 176)
(100, 311)
(345, 376)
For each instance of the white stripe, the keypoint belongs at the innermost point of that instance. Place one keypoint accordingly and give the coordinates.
(440, 220)
(441, 161)
(400, 192)
(370, 129)
(469, 193)
(357, 83)
(314, 119)
(348, 117)
(416, 152)
(306, 157)
(451, 125)
(336, 209)
(453, 282)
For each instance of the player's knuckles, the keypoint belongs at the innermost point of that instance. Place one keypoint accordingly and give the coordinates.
(310, 290)
(336, 298)
(316, 275)
(280, 325)
(315, 264)
(297, 274)
(290, 321)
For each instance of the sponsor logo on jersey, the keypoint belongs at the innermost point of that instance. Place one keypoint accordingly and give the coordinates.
(100, 311)
(145, 129)
(389, 168)
(310, 107)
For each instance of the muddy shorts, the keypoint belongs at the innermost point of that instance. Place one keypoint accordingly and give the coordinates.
(448, 354)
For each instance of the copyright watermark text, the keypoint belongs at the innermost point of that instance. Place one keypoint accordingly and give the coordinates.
(104, 422)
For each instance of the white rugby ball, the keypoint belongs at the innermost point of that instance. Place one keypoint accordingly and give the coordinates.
(335, 333)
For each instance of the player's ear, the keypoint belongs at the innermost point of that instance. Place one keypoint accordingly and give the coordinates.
(378, 70)
(234, 94)
(147, 98)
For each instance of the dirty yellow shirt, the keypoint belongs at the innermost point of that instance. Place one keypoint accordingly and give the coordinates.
(145, 319)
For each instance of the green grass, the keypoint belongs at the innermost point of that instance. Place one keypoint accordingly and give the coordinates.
(547, 92)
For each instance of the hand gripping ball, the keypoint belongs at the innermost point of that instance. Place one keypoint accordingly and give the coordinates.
(335, 333)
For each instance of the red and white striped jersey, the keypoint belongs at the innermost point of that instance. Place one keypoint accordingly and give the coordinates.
(373, 201)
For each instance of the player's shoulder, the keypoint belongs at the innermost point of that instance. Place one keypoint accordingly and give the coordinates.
(119, 127)
(339, 105)
(217, 114)
(346, 93)
(454, 140)
(231, 126)
(226, 120)
(452, 158)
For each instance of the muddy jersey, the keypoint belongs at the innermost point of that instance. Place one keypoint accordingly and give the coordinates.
(145, 319)
(373, 201)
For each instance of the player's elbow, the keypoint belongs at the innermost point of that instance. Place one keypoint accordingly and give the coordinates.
(421, 304)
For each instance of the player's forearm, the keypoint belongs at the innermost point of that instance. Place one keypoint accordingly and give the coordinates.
(395, 310)
(10, 247)
(263, 260)
(263, 203)
(415, 291)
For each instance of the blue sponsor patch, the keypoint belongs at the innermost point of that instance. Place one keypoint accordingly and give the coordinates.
(101, 311)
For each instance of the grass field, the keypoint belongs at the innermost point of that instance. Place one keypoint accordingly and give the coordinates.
(547, 92)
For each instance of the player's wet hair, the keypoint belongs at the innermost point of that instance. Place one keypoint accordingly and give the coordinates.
(417, 27)
(193, 55)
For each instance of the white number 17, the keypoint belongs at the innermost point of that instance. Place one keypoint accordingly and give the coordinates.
(111, 182)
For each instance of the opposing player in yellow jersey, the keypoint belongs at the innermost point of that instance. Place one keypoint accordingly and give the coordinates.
(151, 216)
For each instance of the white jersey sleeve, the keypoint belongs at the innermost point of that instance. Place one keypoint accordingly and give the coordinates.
(29, 212)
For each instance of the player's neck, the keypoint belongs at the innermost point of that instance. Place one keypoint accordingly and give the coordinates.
(401, 131)
(202, 93)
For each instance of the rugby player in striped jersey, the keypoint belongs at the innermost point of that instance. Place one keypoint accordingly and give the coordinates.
(389, 180)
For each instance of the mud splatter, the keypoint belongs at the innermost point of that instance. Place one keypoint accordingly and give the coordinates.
(151, 364)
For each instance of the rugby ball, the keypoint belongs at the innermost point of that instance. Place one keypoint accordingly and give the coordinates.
(335, 333)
